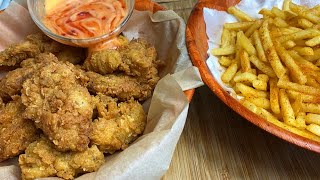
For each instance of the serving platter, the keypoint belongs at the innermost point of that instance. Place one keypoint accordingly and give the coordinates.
(197, 46)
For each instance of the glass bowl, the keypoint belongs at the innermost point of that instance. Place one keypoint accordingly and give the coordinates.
(37, 12)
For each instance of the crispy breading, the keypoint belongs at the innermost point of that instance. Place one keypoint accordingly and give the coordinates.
(103, 62)
(137, 58)
(120, 86)
(118, 124)
(11, 84)
(16, 132)
(60, 105)
(41, 159)
(38, 43)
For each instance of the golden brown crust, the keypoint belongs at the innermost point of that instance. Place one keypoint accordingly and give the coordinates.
(117, 125)
(41, 159)
(16, 132)
(11, 84)
(119, 86)
(38, 43)
(60, 105)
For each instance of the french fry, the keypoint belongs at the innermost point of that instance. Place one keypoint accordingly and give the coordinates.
(249, 91)
(280, 22)
(223, 51)
(289, 44)
(225, 38)
(305, 97)
(304, 51)
(297, 105)
(238, 26)
(303, 34)
(286, 5)
(300, 120)
(314, 128)
(239, 14)
(312, 118)
(259, 84)
(294, 69)
(278, 13)
(274, 96)
(270, 51)
(256, 25)
(314, 57)
(244, 61)
(263, 77)
(245, 77)
(259, 101)
(304, 23)
(266, 13)
(312, 82)
(303, 12)
(298, 87)
(259, 48)
(229, 73)
(225, 61)
(286, 109)
(303, 63)
(310, 107)
(262, 66)
(245, 43)
(313, 42)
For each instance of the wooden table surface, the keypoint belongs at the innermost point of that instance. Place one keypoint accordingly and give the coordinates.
(217, 143)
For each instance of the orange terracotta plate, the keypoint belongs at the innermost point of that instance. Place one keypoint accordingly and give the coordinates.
(197, 46)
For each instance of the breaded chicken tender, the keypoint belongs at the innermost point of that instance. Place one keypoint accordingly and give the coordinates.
(117, 125)
(137, 58)
(60, 105)
(103, 62)
(120, 86)
(38, 43)
(11, 84)
(16, 132)
(41, 159)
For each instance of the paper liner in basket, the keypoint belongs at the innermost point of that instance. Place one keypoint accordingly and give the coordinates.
(150, 155)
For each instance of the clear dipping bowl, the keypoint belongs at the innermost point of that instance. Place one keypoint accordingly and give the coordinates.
(37, 12)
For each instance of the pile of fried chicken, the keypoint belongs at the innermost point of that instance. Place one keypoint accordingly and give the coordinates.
(63, 111)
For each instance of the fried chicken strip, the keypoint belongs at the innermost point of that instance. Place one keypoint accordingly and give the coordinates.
(16, 132)
(60, 105)
(35, 44)
(11, 84)
(120, 86)
(118, 124)
(137, 58)
(41, 159)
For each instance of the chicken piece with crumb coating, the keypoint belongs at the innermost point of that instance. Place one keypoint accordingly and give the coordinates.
(119, 86)
(16, 132)
(118, 124)
(11, 84)
(138, 58)
(59, 104)
(41, 159)
(38, 43)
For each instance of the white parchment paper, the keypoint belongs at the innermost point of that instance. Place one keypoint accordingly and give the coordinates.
(148, 157)
(215, 19)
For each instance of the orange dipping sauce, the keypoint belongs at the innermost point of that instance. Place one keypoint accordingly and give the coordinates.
(81, 19)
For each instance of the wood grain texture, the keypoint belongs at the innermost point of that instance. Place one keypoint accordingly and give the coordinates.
(197, 47)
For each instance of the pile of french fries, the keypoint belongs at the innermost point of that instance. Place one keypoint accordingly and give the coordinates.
(274, 64)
